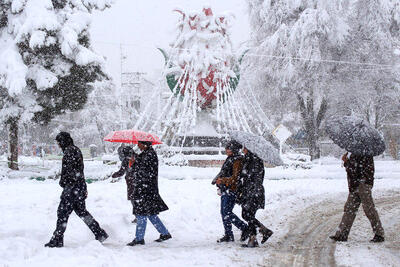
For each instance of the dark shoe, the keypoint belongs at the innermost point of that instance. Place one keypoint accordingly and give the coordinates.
(55, 242)
(226, 238)
(245, 234)
(102, 237)
(339, 238)
(377, 239)
(135, 242)
(266, 233)
(252, 242)
(163, 238)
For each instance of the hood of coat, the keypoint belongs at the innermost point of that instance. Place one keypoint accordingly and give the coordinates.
(64, 140)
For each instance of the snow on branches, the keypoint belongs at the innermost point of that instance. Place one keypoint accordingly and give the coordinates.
(202, 56)
(42, 42)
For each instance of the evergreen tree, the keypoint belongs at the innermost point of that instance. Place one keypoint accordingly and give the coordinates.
(47, 63)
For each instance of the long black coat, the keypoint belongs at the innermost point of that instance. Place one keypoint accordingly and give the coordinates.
(146, 199)
(72, 176)
(251, 190)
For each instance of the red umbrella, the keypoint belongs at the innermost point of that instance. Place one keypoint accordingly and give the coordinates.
(132, 137)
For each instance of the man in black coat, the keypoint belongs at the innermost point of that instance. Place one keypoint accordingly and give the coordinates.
(360, 177)
(146, 200)
(251, 196)
(74, 192)
(127, 157)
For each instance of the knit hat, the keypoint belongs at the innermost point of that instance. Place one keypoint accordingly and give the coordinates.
(234, 146)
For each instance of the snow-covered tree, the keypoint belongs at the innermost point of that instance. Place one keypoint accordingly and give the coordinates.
(46, 61)
(98, 117)
(371, 90)
(293, 42)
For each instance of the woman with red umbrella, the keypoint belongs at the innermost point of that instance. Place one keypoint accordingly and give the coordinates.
(146, 200)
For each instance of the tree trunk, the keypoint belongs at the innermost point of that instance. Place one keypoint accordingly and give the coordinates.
(312, 122)
(13, 143)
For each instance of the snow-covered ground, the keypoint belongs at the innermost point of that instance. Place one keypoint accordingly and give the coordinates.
(303, 208)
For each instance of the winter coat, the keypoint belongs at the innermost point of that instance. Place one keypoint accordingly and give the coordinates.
(146, 199)
(359, 169)
(72, 176)
(251, 190)
(128, 171)
(230, 172)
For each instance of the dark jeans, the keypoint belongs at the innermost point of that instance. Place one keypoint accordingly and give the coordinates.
(249, 214)
(72, 200)
(228, 217)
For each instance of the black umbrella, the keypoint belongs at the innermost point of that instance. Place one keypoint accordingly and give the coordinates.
(355, 135)
(259, 146)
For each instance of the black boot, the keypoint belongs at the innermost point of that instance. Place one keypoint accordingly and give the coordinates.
(102, 236)
(135, 242)
(55, 242)
(252, 242)
(338, 238)
(226, 238)
(164, 237)
(266, 233)
(377, 239)
(245, 234)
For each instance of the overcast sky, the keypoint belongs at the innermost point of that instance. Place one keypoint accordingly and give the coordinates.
(143, 25)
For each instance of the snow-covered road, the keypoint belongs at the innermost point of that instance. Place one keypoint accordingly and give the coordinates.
(302, 210)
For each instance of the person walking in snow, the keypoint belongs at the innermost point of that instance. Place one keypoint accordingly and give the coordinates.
(251, 196)
(146, 200)
(74, 192)
(227, 181)
(127, 156)
(360, 178)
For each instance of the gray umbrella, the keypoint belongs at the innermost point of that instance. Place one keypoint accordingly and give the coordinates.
(259, 146)
(355, 135)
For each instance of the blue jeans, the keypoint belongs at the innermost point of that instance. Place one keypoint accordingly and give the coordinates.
(142, 223)
(228, 217)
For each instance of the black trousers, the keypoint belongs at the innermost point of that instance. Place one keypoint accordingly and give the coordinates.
(74, 200)
(249, 215)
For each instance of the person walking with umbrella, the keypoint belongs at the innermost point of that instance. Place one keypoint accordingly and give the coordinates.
(251, 196)
(128, 158)
(362, 143)
(360, 178)
(251, 192)
(146, 200)
(74, 192)
(227, 181)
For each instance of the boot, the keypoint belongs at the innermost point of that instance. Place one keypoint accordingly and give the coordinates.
(377, 239)
(102, 236)
(245, 234)
(135, 242)
(164, 237)
(55, 242)
(266, 233)
(226, 238)
(252, 242)
(339, 237)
